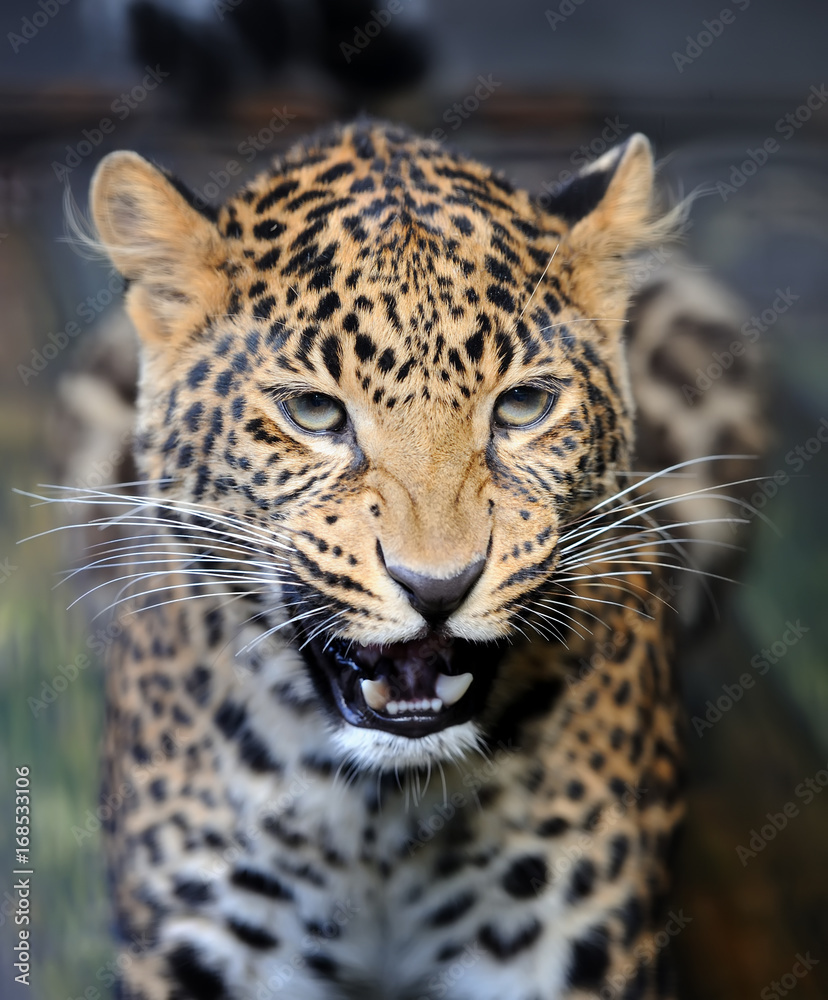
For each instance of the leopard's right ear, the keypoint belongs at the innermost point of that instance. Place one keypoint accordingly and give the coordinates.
(170, 251)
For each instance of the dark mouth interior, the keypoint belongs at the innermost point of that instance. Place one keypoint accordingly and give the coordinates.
(406, 688)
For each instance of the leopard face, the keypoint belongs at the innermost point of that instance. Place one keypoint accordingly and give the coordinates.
(405, 379)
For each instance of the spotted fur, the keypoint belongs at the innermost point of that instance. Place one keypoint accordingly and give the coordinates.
(264, 845)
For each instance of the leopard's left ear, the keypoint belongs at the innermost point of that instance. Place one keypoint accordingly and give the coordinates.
(610, 204)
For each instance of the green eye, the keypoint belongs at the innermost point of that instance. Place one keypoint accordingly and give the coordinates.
(522, 406)
(315, 412)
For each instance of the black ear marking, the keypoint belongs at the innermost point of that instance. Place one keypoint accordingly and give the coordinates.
(582, 194)
(209, 211)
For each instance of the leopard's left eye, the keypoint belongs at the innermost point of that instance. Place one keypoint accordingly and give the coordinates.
(315, 412)
(522, 406)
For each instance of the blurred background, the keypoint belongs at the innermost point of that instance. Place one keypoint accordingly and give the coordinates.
(734, 99)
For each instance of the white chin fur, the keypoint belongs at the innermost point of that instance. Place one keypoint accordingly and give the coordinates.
(375, 750)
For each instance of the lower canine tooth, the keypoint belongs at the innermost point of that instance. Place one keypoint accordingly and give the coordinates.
(375, 694)
(451, 689)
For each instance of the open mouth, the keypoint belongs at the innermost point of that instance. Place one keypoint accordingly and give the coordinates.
(407, 688)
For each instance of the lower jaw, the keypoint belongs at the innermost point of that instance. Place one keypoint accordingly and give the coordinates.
(411, 679)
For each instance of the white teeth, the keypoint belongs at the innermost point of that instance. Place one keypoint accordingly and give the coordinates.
(451, 689)
(417, 705)
(376, 695)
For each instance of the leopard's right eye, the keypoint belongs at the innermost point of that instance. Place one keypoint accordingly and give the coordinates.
(315, 412)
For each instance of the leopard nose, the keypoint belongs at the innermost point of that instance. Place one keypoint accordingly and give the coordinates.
(433, 597)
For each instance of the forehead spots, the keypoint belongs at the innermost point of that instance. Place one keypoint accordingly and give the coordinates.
(305, 237)
(270, 229)
(404, 369)
(391, 311)
(277, 335)
(192, 417)
(307, 197)
(414, 232)
(474, 346)
(499, 271)
(362, 185)
(328, 305)
(455, 362)
(335, 172)
(322, 211)
(332, 356)
(364, 347)
(198, 373)
(264, 307)
(269, 260)
(500, 297)
(224, 382)
(505, 352)
(279, 192)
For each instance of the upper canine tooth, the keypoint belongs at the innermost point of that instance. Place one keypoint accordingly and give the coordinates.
(375, 693)
(451, 689)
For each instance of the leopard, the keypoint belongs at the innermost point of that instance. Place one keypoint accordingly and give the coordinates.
(393, 710)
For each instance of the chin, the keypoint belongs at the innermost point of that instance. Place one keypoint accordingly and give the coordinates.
(374, 750)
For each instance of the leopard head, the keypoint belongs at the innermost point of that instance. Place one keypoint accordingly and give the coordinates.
(404, 378)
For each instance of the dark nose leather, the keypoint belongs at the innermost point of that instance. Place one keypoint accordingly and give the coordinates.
(435, 598)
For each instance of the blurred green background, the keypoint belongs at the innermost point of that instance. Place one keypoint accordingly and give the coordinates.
(557, 83)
